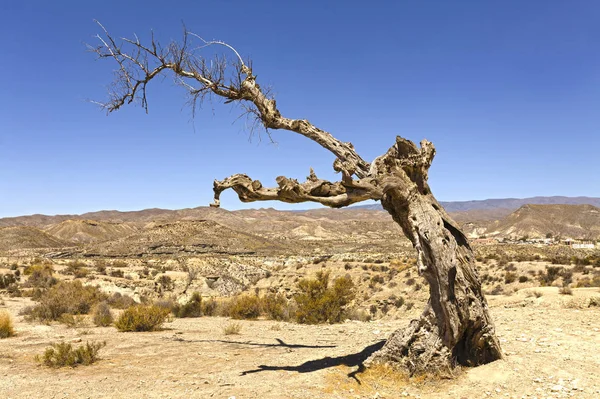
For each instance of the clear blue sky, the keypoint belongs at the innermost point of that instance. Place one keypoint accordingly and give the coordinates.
(508, 91)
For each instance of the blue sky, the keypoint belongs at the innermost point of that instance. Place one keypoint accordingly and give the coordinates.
(509, 92)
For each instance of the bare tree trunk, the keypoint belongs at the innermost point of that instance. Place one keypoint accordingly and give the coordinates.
(455, 327)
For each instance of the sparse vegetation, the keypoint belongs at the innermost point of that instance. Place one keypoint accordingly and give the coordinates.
(101, 315)
(142, 318)
(70, 297)
(232, 328)
(192, 308)
(565, 291)
(245, 307)
(319, 303)
(6, 325)
(120, 301)
(63, 354)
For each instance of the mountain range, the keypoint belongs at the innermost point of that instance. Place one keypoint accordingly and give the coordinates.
(269, 231)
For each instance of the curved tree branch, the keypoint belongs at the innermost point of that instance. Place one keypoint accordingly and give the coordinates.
(139, 64)
(335, 195)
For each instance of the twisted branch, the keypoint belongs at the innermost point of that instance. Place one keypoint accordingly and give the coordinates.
(138, 64)
(335, 195)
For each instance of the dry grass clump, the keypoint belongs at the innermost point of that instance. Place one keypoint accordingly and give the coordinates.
(101, 315)
(565, 291)
(233, 328)
(63, 354)
(70, 297)
(6, 326)
(142, 318)
(318, 302)
(533, 293)
(594, 301)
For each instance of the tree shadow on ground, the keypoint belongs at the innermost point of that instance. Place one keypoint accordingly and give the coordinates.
(352, 360)
(280, 343)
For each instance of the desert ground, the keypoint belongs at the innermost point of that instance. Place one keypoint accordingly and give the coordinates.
(545, 301)
(551, 345)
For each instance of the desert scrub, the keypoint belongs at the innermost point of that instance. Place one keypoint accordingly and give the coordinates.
(245, 307)
(101, 315)
(233, 328)
(142, 318)
(70, 297)
(6, 326)
(120, 301)
(275, 307)
(192, 308)
(317, 302)
(63, 354)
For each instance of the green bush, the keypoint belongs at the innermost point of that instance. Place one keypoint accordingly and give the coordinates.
(319, 303)
(245, 307)
(193, 307)
(142, 318)
(6, 326)
(70, 297)
(101, 315)
(62, 354)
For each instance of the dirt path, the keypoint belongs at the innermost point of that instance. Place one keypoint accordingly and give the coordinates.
(552, 351)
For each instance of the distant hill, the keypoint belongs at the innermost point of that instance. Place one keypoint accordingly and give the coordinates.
(184, 237)
(88, 231)
(536, 221)
(25, 237)
(504, 205)
(266, 230)
(515, 203)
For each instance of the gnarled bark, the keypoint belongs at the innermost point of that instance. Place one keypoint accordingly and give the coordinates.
(455, 328)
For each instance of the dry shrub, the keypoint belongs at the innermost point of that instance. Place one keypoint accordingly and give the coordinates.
(63, 354)
(534, 293)
(101, 315)
(192, 308)
(40, 276)
(209, 308)
(233, 328)
(275, 307)
(120, 301)
(245, 307)
(70, 297)
(317, 302)
(594, 301)
(142, 318)
(565, 291)
(510, 277)
(6, 326)
(72, 321)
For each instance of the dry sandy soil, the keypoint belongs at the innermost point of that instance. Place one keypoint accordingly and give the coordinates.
(552, 350)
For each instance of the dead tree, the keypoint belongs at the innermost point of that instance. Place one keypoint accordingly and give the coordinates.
(455, 327)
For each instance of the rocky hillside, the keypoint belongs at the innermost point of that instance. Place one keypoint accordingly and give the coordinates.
(24, 237)
(266, 231)
(190, 237)
(88, 231)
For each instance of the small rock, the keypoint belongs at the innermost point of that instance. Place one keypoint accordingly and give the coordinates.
(557, 388)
